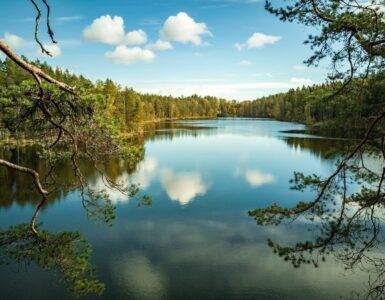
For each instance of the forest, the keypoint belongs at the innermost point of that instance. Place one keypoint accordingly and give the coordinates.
(118, 109)
(175, 199)
(318, 107)
(122, 110)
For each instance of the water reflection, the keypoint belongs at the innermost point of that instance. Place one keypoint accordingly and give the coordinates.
(17, 188)
(202, 257)
(136, 277)
(184, 186)
(170, 130)
(66, 253)
(256, 178)
(195, 249)
(146, 172)
(325, 148)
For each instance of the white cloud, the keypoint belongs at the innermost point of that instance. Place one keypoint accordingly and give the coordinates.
(105, 29)
(136, 37)
(13, 40)
(302, 81)
(182, 28)
(110, 30)
(183, 187)
(53, 49)
(160, 46)
(256, 178)
(258, 40)
(126, 56)
(245, 63)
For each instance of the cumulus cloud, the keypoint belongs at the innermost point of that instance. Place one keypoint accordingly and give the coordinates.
(13, 40)
(160, 46)
(303, 81)
(258, 40)
(256, 178)
(126, 56)
(183, 187)
(245, 63)
(110, 30)
(136, 37)
(105, 29)
(53, 49)
(182, 28)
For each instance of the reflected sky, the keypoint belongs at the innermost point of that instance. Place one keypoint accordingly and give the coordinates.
(184, 186)
(256, 178)
(197, 240)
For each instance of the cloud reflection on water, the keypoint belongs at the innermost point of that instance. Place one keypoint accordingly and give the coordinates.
(146, 172)
(137, 277)
(256, 178)
(235, 253)
(183, 186)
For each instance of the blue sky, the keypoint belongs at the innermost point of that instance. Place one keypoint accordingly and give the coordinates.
(115, 39)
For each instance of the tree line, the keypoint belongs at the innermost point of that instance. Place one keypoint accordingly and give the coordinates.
(346, 113)
(122, 110)
(118, 109)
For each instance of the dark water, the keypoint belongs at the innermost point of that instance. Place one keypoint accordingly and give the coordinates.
(196, 240)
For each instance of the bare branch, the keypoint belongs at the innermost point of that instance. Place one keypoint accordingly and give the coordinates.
(37, 24)
(48, 22)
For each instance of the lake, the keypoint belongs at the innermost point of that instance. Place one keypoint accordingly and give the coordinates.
(196, 240)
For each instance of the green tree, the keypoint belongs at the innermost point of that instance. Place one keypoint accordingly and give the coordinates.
(352, 35)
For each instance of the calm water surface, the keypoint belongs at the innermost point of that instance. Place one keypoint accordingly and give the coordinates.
(196, 240)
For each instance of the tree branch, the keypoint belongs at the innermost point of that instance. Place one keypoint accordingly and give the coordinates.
(31, 172)
(35, 71)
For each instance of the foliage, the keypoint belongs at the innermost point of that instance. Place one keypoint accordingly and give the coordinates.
(122, 111)
(118, 110)
(347, 114)
(66, 253)
(347, 219)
